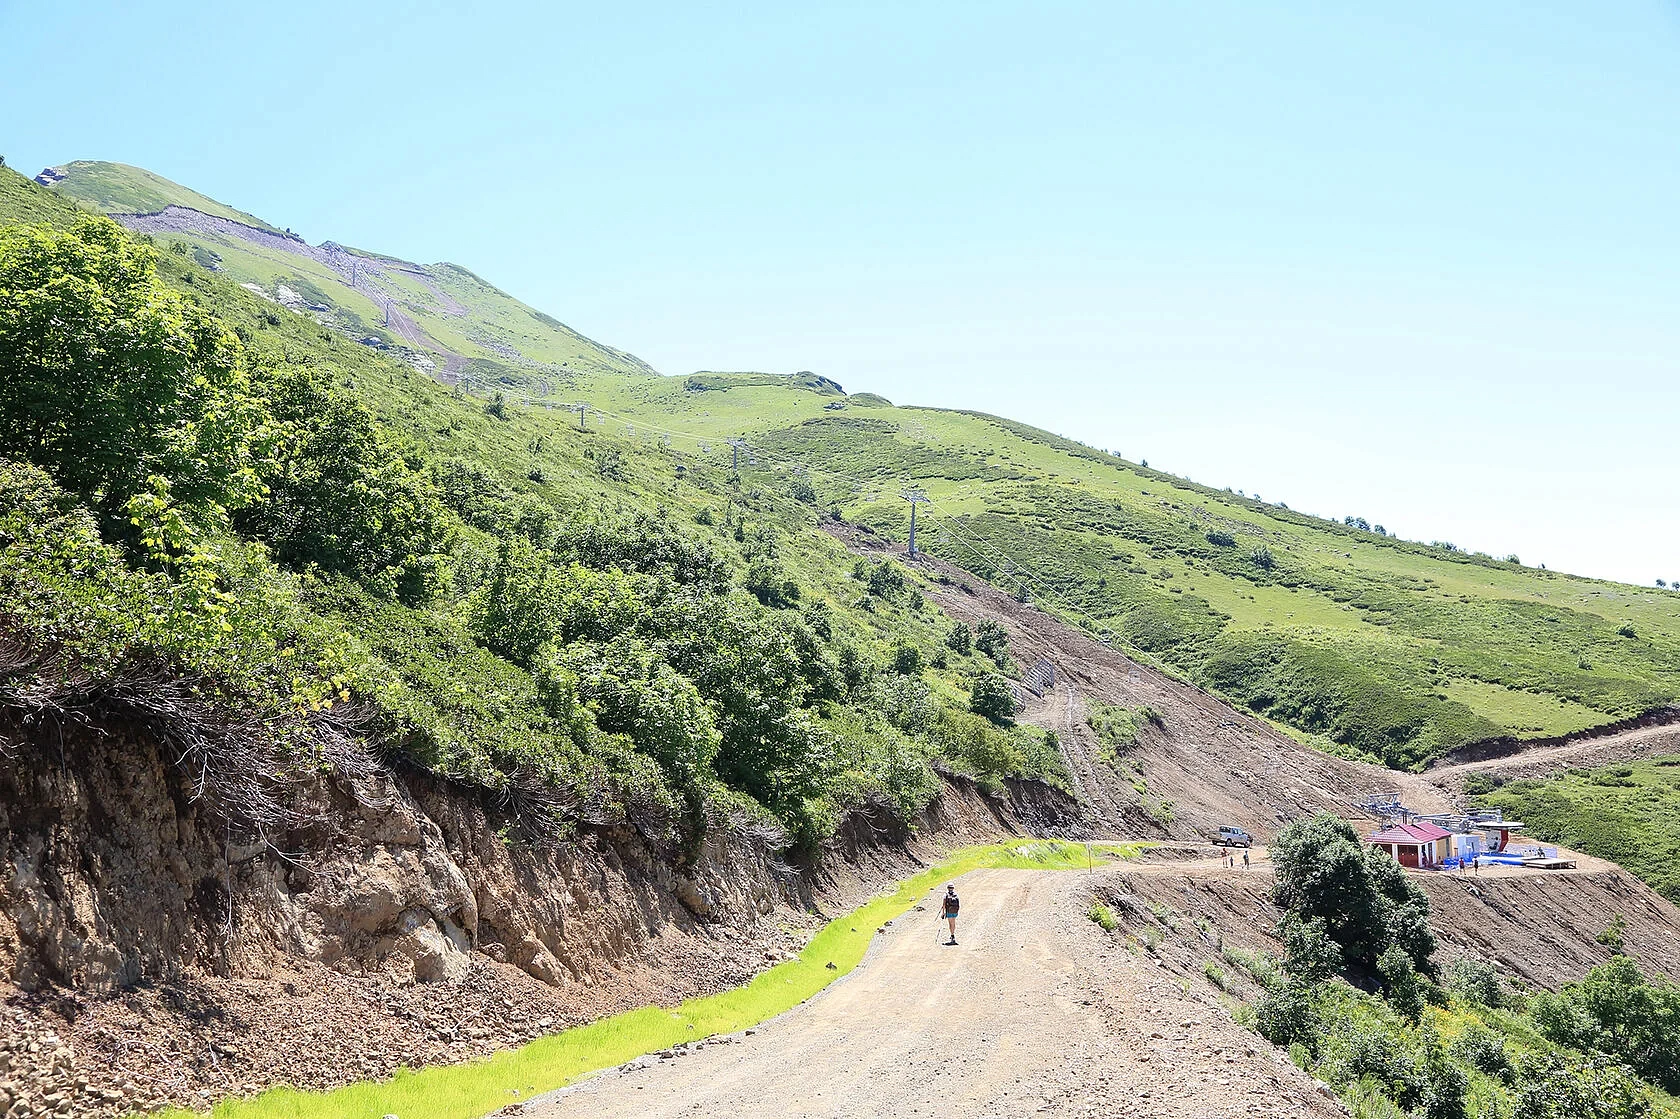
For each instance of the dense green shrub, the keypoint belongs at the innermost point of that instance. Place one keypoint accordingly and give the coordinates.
(960, 639)
(886, 580)
(341, 499)
(768, 583)
(992, 696)
(907, 659)
(1310, 954)
(1364, 900)
(1484, 1050)
(1475, 980)
(1288, 1015)
(1595, 1088)
(993, 640)
(1616, 1010)
(646, 542)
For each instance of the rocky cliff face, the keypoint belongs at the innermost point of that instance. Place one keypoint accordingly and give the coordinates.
(401, 924)
(115, 876)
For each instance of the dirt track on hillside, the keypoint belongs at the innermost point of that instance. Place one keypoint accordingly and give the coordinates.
(1547, 761)
(1206, 762)
(1037, 1010)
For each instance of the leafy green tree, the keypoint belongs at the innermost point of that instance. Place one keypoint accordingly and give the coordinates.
(1365, 901)
(108, 379)
(632, 691)
(1615, 1009)
(344, 500)
(1309, 953)
(990, 696)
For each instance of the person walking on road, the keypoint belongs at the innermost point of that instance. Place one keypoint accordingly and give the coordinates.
(949, 911)
(1245, 858)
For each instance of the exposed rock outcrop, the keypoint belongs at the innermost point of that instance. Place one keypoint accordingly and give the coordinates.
(400, 922)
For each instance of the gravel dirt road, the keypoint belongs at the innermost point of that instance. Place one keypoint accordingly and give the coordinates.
(1035, 1012)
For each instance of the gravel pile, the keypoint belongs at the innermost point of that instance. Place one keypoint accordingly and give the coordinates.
(39, 1078)
(204, 1039)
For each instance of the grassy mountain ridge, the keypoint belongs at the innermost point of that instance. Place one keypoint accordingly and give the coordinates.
(441, 317)
(115, 188)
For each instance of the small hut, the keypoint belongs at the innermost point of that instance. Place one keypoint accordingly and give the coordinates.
(1420, 845)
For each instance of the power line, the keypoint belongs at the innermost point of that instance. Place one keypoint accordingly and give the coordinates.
(915, 497)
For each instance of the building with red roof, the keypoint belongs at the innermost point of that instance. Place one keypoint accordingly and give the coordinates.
(1416, 845)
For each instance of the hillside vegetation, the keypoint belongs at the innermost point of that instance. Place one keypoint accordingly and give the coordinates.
(1359, 1000)
(1628, 813)
(291, 553)
(1362, 643)
(1378, 646)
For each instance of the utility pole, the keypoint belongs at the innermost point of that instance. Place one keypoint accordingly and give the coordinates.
(915, 498)
(736, 446)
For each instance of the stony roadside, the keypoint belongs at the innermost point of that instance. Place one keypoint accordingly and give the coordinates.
(203, 1039)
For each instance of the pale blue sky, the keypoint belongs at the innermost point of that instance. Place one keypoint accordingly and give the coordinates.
(1414, 262)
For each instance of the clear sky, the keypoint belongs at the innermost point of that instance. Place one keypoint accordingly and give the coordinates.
(1415, 262)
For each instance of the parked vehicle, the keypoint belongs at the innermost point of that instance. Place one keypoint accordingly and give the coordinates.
(1233, 836)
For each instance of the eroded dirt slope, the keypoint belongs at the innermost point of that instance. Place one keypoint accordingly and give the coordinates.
(1214, 764)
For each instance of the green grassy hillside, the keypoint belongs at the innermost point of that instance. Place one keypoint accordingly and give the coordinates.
(1628, 813)
(443, 318)
(114, 188)
(1393, 649)
(1363, 643)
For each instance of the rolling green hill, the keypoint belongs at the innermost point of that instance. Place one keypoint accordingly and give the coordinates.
(117, 188)
(441, 318)
(1391, 648)
(1362, 643)
(580, 625)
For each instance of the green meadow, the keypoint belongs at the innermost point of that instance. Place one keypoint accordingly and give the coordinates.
(1627, 813)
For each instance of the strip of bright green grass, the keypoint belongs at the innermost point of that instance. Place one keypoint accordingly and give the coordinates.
(473, 1089)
